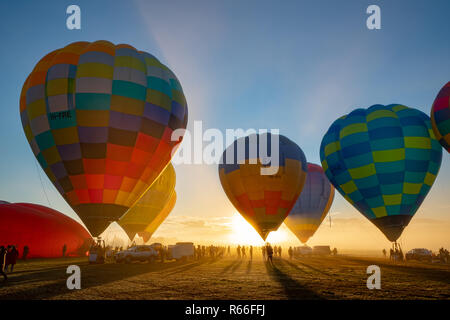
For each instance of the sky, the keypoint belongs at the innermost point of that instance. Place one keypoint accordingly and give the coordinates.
(295, 66)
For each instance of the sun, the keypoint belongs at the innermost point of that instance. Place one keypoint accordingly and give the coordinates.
(244, 234)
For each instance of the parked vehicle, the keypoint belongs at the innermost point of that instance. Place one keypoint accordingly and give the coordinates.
(322, 250)
(304, 250)
(137, 253)
(420, 254)
(181, 250)
(157, 246)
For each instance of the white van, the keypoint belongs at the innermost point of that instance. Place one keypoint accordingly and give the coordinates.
(304, 250)
(181, 250)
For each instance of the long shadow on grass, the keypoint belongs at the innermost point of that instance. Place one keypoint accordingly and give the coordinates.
(231, 265)
(215, 259)
(311, 267)
(296, 267)
(416, 271)
(91, 275)
(43, 269)
(236, 266)
(294, 290)
(186, 267)
(249, 266)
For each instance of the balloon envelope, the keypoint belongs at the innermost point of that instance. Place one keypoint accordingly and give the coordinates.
(151, 228)
(383, 160)
(312, 205)
(440, 117)
(150, 205)
(264, 200)
(45, 231)
(99, 119)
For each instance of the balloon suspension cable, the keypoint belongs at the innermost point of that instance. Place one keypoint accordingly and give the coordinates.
(403, 242)
(42, 184)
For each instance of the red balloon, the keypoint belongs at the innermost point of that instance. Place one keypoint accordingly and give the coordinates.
(45, 231)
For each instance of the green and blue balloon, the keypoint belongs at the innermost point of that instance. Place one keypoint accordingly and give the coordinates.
(383, 160)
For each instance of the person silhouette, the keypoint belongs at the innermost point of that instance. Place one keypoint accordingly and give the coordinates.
(3, 262)
(269, 250)
(13, 255)
(25, 252)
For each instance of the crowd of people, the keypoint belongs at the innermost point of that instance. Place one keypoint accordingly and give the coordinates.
(269, 251)
(210, 251)
(8, 259)
(444, 255)
(395, 253)
(242, 251)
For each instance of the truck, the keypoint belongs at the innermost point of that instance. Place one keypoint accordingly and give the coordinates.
(321, 250)
(137, 253)
(180, 251)
(419, 254)
(304, 250)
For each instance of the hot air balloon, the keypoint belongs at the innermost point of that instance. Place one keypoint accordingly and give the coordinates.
(440, 117)
(150, 205)
(312, 205)
(383, 160)
(45, 231)
(151, 228)
(99, 119)
(263, 200)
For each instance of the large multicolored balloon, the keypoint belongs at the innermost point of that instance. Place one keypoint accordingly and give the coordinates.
(383, 160)
(263, 200)
(99, 119)
(312, 205)
(440, 117)
(151, 228)
(150, 205)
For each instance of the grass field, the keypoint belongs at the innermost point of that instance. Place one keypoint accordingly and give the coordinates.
(339, 277)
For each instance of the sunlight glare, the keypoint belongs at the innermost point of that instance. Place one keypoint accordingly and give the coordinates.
(244, 234)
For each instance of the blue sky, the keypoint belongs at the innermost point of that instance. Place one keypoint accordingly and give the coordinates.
(291, 65)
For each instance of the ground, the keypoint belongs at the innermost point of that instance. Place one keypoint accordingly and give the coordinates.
(333, 277)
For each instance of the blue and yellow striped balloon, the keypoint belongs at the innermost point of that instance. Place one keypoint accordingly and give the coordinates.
(383, 160)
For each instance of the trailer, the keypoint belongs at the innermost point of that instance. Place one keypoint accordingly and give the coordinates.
(181, 251)
(304, 250)
(322, 250)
